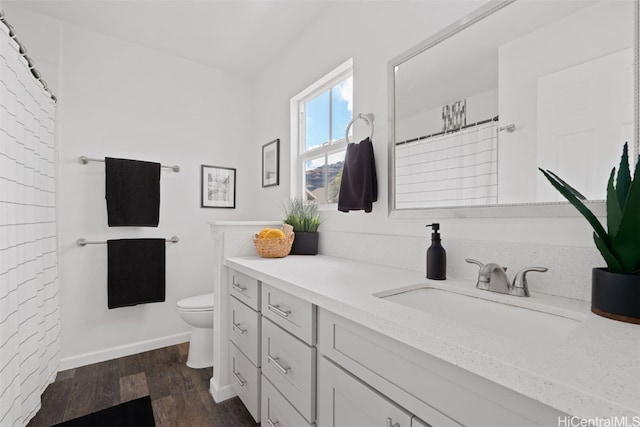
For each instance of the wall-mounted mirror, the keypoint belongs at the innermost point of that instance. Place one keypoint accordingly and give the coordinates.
(517, 85)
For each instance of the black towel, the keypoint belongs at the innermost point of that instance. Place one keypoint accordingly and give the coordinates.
(132, 192)
(136, 271)
(359, 185)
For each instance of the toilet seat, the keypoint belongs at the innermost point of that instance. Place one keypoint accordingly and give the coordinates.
(203, 302)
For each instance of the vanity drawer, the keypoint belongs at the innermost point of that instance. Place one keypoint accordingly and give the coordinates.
(245, 380)
(245, 288)
(276, 410)
(344, 401)
(245, 330)
(290, 313)
(290, 365)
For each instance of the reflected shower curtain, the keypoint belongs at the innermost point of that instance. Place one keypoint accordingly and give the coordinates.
(29, 307)
(455, 169)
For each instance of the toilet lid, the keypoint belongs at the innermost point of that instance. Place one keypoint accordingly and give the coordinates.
(198, 302)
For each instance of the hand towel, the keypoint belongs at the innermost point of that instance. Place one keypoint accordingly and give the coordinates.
(132, 192)
(136, 271)
(359, 185)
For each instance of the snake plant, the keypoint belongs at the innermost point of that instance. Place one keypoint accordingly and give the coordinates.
(619, 244)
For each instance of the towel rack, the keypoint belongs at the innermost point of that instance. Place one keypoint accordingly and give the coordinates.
(368, 118)
(85, 242)
(84, 160)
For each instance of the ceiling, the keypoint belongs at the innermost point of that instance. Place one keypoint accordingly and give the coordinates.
(240, 36)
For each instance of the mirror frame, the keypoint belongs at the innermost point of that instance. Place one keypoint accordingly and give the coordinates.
(515, 210)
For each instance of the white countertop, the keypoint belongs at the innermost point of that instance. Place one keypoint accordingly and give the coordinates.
(594, 373)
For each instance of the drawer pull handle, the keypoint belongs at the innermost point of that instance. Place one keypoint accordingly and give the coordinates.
(276, 309)
(238, 287)
(391, 424)
(276, 363)
(239, 379)
(272, 423)
(237, 326)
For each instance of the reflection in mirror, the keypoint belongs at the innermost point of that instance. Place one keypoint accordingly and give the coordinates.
(528, 84)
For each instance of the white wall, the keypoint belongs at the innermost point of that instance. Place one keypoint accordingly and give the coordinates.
(373, 33)
(125, 100)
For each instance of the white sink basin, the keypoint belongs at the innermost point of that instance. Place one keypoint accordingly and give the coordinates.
(515, 322)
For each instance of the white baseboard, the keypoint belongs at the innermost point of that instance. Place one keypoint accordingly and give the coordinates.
(121, 351)
(219, 393)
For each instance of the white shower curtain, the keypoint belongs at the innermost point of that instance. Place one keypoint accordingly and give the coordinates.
(29, 307)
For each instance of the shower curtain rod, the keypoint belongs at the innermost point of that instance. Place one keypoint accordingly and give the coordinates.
(23, 51)
(509, 128)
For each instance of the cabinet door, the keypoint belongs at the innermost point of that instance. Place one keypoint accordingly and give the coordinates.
(344, 401)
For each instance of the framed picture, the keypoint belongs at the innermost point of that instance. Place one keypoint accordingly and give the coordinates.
(218, 187)
(271, 163)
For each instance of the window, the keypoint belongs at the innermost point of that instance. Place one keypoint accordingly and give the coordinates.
(322, 113)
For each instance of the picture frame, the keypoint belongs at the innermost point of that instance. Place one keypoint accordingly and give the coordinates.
(271, 163)
(217, 187)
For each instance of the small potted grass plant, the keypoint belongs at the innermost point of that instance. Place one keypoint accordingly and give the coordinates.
(305, 220)
(616, 289)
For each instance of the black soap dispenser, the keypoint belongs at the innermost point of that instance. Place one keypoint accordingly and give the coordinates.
(436, 256)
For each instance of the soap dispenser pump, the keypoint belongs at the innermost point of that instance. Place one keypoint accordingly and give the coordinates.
(436, 256)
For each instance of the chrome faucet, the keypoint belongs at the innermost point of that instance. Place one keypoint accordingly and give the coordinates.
(492, 277)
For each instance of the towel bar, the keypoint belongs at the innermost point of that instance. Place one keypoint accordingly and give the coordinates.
(85, 242)
(84, 160)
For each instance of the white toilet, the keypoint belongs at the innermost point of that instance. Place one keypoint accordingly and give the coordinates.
(198, 312)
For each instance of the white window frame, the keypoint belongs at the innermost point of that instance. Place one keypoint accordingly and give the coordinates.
(298, 155)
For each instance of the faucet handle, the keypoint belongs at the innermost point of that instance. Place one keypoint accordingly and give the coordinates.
(520, 286)
(479, 264)
(476, 262)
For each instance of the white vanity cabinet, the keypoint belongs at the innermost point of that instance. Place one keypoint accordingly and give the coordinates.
(298, 364)
(244, 339)
(288, 351)
(344, 401)
(429, 388)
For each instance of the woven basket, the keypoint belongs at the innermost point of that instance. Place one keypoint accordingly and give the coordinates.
(273, 248)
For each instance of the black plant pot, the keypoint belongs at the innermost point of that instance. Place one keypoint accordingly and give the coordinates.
(616, 296)
(305, 243)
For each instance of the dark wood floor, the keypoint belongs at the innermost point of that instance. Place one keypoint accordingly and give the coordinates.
(179, 394)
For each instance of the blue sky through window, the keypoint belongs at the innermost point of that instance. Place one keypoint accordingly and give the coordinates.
(317, 116)
(317, 110)
(341, 108)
